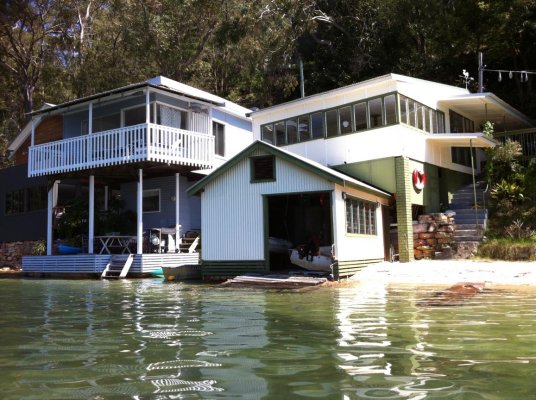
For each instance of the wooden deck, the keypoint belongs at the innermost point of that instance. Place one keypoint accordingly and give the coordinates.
(88, 264)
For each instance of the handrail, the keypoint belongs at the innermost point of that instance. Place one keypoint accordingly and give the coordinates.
(142, 142)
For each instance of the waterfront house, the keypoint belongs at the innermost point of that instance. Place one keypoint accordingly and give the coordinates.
(412, 139)
(139, 146)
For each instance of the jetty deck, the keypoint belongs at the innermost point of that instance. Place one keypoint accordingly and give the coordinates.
(275, 281)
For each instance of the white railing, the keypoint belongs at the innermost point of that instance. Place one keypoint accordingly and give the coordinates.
(143, 142)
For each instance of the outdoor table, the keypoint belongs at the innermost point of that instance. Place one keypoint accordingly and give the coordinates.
(120, 242)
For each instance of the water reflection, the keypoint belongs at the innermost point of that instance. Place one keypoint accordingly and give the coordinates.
(146, 339)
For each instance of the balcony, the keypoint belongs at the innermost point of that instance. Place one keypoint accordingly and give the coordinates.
(137, 143)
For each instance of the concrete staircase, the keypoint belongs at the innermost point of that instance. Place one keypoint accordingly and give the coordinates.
(470, 220)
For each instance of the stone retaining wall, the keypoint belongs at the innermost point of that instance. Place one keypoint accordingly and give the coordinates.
(11, 253)
(433, 236)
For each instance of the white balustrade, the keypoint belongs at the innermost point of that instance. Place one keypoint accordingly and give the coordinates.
(143, 142)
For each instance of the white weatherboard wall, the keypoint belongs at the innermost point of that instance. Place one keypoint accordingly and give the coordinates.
(351, 247)
(232, 209)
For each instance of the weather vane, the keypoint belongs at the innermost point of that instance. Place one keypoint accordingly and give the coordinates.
(466, 78)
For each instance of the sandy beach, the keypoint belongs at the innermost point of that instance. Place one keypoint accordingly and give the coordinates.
(491, 273)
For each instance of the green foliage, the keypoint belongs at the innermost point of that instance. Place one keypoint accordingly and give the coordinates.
(509, 191)
(488, 128)
(39, 248)
(74, 222)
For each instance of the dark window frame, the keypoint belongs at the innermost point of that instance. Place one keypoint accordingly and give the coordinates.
(219, 138)
(15, 202)
(260, 171)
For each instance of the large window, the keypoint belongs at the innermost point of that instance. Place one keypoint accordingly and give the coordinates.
(462, 156)
(134, 116)
(366, 114)
(460, 124)
(360, 216)
(151, 200)
(420, 116)
(218, 130)
(104, 123)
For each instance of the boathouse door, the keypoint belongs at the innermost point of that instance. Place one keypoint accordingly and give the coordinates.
(296, 219)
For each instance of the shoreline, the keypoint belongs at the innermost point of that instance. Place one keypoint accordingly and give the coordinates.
(449, 272)
(424, 272)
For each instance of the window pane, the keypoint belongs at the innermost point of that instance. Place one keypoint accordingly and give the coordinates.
(434, 122)
(375, 111)
(151, 200)
(440, 122)
(280, 136)
(390, 109)
(218, 130)
(426, 112)
(469, 125)
(403, 109)
(412, 120)
(345, 119)
(420, 115)
(360, 115)
(361, 218)
(292, 131)
(105, 123)
(14, 202)
(173, 117)
(317, 125)
(303, 129)
(267, 133)
(456, 122)
(134, 116)
(331, 123)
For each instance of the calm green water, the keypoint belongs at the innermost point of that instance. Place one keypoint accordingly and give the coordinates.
(146, 339)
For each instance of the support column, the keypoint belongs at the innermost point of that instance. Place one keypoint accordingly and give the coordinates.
(139, 235)
(89, 149)
(50, 210)
(177, 205)
(403, 209)
(91, 213)
(106, 198)
(147, 106)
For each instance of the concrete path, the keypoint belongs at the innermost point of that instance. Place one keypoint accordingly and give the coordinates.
(450, 272)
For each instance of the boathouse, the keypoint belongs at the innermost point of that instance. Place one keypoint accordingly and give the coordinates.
(266, 193)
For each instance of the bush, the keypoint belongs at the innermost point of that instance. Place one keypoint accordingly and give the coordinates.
(508, 250)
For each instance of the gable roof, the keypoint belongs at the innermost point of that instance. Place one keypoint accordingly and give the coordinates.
(309, 165)
(26, 132)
